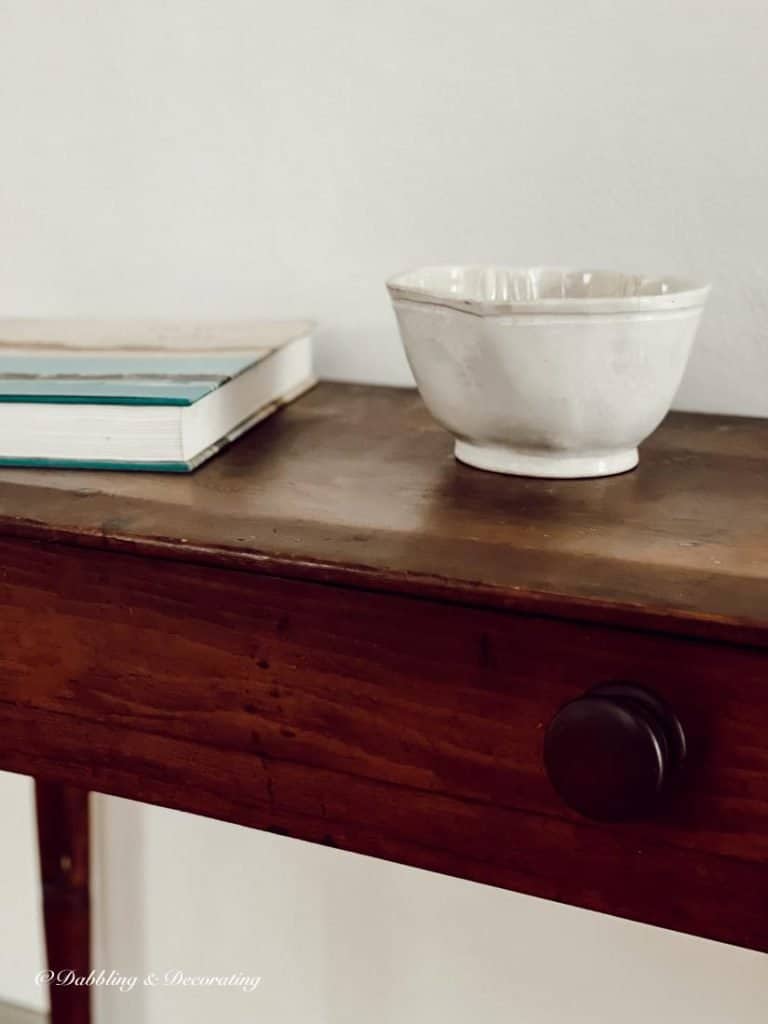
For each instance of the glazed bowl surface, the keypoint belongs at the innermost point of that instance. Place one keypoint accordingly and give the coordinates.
(546, 371)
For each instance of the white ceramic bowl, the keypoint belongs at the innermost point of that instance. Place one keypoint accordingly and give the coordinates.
(546, 371)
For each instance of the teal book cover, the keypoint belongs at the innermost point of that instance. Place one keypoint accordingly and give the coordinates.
(118, 378)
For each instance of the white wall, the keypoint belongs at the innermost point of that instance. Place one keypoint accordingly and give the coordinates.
(21, 936)
(231, 157)
(237, 157)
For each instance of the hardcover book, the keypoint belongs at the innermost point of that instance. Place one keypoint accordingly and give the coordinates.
(158, 396)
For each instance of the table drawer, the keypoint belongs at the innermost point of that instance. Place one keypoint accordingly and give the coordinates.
(404, 728)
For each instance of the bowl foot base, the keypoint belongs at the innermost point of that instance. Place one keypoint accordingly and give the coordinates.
(556, 465)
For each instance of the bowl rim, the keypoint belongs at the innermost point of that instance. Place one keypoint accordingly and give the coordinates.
(684, 293)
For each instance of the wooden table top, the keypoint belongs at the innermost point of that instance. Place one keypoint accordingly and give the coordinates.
(356, 484)
(336, 632)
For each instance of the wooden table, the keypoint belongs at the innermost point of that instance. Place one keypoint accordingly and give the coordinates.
(336, 632)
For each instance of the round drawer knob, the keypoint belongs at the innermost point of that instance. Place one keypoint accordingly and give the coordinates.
(610, 753)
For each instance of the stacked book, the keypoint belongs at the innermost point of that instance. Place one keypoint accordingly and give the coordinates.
(142, 395)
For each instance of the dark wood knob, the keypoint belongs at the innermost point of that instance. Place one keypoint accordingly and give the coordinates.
(610, 753)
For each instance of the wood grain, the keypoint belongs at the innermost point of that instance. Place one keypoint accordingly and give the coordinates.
(392, 726)
(62, 824)
(357, 485)
(337, 632)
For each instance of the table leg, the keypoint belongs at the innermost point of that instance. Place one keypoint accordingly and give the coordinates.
(62, 828)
